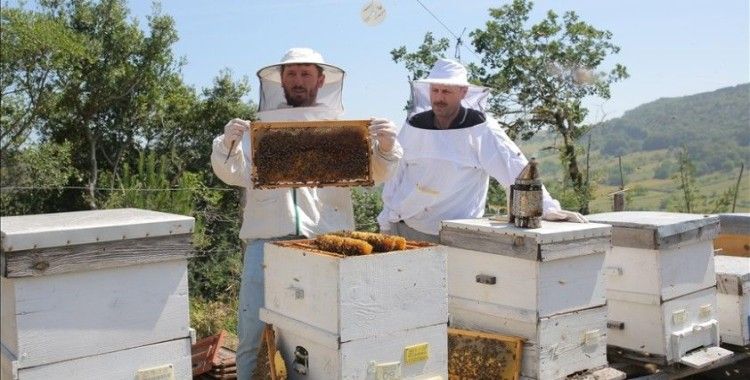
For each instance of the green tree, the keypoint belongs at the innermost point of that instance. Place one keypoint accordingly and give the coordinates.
(114, 90)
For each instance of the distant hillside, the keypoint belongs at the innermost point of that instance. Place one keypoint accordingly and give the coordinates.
(715, 126)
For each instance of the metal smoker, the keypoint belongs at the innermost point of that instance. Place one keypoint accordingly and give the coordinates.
(526, 198)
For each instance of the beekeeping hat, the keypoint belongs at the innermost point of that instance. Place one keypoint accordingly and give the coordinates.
(451, 73)
(272, 94)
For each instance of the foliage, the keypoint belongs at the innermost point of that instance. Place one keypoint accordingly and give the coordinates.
(692, 199)
(367, 206)
(705, 123)
(32, 177)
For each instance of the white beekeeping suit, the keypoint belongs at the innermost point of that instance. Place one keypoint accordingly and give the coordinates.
(277, 214)
(444, 173)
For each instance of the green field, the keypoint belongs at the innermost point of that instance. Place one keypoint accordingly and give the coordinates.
(645, 192)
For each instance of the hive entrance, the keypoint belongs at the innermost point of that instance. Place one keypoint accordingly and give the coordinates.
(312, 154)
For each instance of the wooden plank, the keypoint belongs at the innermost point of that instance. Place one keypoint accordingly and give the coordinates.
(79, 314)
(118, 365)
(86, 257)
(38, 231)
(521, 247)
(474, 354)
(733, 245)
(204, 352)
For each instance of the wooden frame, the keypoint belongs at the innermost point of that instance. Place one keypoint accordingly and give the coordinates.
(311, 154)
(478, 357)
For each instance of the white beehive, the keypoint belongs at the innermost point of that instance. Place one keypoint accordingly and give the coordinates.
(661, 283)
(95, 294)
(733, 298)
(545, 285)
(358, 317)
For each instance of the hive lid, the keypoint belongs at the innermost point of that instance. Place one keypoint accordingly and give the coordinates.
(653, 229)
(549, 232)
(732, 266)
(735, 224)
(82, 227)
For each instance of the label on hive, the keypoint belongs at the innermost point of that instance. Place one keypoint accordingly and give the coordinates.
(416, 353)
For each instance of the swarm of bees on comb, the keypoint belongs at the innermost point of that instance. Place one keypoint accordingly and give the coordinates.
(311, 156)
(355, 243)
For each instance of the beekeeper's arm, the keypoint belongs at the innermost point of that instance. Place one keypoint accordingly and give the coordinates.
(386, 149)
(503, 160)
(234, 170)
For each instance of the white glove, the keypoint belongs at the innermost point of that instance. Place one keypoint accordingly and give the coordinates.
(564, 215)
(233, 132)
(385, 133)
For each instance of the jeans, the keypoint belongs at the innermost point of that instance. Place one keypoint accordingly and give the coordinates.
(249, 326)
(409, 233)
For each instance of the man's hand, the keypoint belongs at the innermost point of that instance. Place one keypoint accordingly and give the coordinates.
(564, 215)
(233, 133)
(385, 132)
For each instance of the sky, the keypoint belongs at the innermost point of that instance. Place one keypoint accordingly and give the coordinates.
(670, 47)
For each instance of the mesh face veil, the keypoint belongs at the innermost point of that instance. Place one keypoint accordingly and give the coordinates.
(452, 73)
(272, 94)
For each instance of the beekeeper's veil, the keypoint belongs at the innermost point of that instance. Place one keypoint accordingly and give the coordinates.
(272, 94)
(447, 72)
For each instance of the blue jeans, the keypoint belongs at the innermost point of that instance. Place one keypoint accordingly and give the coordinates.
(249, 325)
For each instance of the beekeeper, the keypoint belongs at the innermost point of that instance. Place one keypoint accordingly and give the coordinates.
(451, 148)
(300, 87)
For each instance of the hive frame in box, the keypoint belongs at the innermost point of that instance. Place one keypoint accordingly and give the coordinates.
(259, 129)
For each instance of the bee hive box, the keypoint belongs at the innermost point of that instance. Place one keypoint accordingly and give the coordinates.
(311, 154)
(95, 294)
(733, 299)
(540, 284)
(661, 283)
(352, 317)
(734, 238)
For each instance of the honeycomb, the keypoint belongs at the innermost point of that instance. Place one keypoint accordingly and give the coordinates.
(313, 154)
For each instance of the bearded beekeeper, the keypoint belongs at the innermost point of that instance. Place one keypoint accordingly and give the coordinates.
(300, 87)
(451, 148)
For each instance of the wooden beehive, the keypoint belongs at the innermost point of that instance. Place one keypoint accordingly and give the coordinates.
(355, 316)
(545, 285)
(311, 154)
(734, 238)
(661, 283)
(95, 294)
(733, 299)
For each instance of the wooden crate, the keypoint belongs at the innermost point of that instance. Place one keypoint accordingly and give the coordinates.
(311, 154)
(416, 353)
(733, 299)
(357, 296)
(734, 238)
(532, 273)
(658, 256)
(554, 347)
(89, 286)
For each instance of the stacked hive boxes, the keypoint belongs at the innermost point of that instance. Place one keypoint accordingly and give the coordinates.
(733, 299)
(545, 285)
(95, 295)
(377, 316)
(661, 284)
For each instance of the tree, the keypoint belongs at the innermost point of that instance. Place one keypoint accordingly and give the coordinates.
(105, 96)
(538, 75)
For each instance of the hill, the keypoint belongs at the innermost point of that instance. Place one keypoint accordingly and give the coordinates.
(713, 126)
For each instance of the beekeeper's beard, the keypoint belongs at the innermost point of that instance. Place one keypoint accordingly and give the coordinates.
(297, 98)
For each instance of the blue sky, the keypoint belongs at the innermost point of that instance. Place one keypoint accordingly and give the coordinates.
(670, 47)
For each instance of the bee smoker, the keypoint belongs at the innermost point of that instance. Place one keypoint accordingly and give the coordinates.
(525, 206)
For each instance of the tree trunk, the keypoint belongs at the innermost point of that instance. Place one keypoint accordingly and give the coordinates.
(574, 173)
(94, 169)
